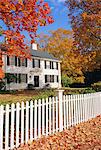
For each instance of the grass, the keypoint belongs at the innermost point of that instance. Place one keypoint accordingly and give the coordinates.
(25, 95)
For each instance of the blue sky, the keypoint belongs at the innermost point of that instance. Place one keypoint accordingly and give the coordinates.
(60, 15)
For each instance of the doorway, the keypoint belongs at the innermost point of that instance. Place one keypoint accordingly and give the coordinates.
(36, 81)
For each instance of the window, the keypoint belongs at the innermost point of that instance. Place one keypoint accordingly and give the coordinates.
(23, 62)
(15, 61)
(49, 78)
(12, 61)
(16, 78)
(36, 63)
(52, 65)
(47, 64)
(11, 78)
(23, 78)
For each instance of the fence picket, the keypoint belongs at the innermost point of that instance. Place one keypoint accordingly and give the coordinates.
(56, 113)
(12, 126)
(46, 116)
(67, 111)
(6, 127)
(39, 118)
(50, 121)
(22, 122)
(1, 126)
(43, 117)
(17, 124)
(35, 119)
(53, 129)
(64, 113)
(31, 121)
(74, 109)
(27, 123)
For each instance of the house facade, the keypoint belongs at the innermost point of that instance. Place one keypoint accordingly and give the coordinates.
(42, 70)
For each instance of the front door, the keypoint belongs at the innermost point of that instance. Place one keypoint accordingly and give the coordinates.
(36, 81)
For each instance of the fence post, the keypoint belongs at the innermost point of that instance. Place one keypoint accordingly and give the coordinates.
(60, 97)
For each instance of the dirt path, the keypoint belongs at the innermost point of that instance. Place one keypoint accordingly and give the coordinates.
(85, 136)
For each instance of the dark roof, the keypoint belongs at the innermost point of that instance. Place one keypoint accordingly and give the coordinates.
(42, 54)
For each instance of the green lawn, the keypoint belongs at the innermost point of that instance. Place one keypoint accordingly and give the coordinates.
(26, 95)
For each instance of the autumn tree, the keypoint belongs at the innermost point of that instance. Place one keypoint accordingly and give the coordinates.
(60, 44)
(19, 16)
(85, 19)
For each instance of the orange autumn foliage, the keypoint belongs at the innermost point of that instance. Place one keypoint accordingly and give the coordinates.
(86, 21)
(19, 16)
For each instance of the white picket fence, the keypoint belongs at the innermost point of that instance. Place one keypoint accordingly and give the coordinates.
(28, 121)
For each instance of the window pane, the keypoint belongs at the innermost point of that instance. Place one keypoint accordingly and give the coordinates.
(12, 61)
(23, 78)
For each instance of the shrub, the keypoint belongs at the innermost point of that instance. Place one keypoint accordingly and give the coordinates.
(2, 85)
(66, 81)
(89, 90)
(97, 86)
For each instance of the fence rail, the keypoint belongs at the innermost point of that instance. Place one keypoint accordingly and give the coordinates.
(20, 123)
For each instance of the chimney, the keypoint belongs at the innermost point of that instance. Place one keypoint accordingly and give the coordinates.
(34, 46)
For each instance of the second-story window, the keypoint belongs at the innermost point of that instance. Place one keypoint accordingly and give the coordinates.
(36, 63)
(15, 61)
(23, 62)
(47, 64)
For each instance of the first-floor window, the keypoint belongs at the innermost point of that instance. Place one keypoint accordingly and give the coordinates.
(16, 78)
(49, 78)
(23, 78)
(11, 78)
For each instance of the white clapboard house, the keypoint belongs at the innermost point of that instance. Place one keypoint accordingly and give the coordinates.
(41, 71)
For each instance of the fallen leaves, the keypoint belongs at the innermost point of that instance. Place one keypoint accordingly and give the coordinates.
(85, 136)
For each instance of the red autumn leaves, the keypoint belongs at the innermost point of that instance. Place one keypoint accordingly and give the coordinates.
(20, 16)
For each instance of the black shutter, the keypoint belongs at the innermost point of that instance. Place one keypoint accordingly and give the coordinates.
(19, 78)
(39, 63)
(26, 78)
(45, 64)
(50, 65)
(16, 77)
(19, 62)
(45, 78)
(57, 78)
(33, 63)
(8, 63)
(15, 61)
(26, 62)
(57, 65)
